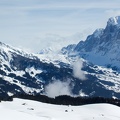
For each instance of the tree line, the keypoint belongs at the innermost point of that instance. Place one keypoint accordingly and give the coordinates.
(64, 99)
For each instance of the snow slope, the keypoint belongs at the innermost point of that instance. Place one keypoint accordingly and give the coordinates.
(21, 109)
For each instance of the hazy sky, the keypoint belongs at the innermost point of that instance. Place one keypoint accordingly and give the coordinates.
(35, 24)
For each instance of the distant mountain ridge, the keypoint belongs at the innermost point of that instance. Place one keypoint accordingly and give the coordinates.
(102, 47)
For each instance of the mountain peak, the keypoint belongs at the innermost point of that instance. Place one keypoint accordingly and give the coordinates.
(114, 21)
(102, 47)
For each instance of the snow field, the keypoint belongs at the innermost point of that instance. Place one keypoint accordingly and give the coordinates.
(21, 109)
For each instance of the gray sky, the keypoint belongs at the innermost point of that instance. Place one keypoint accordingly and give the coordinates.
(36, 24)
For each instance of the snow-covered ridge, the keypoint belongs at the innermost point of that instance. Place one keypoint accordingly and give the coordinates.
(46, 55)
(7, 51)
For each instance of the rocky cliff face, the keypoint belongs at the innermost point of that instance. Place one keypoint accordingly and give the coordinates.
(102, 47)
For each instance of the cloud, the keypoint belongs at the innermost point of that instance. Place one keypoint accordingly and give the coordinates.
(77, 70)
(113, 13)
(57, 88)
(82, 94)
(53, 40)
(61, 5)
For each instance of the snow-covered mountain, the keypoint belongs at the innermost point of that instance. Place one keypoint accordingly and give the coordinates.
(21, 72)
(32, 110)
(102, 47)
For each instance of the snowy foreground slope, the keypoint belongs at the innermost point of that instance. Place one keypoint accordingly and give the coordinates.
(21, 109)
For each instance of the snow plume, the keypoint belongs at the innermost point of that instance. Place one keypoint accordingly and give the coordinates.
(57, 88)
(77, 70)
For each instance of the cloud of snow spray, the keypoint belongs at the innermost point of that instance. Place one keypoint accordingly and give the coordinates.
(77, 70)
(57, 88)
